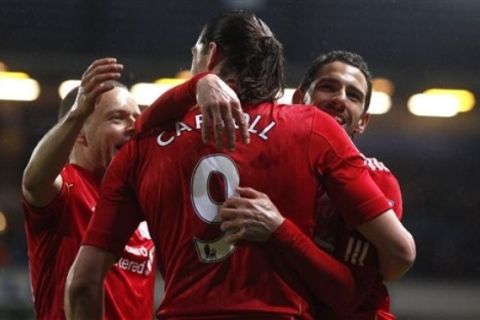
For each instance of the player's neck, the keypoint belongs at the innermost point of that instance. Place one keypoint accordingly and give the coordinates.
(82, 159)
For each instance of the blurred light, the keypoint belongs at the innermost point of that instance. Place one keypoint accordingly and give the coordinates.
(66, 86)
(171, 82)
(433, 105)
(146, 93)
(13, 75)
(287, 96)
(465, 100)
(17, 86)
(3, 222)
(383, 85)
(380, 103)
(3, 66)
(183, 74)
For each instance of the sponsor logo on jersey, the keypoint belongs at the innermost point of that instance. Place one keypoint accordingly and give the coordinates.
(142, 267)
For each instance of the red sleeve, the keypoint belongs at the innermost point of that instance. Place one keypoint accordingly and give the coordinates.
(344, 172)
(48, 216)
(170, 106)
(389, 185)
(340, 287)
(117, 214)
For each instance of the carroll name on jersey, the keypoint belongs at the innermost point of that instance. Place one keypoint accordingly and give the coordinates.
(180, 127)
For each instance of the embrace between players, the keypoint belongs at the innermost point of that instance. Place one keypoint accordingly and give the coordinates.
(293, 223)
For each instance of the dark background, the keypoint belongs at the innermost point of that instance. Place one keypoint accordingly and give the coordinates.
(416, 44)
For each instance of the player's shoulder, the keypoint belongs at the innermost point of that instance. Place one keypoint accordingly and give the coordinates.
(379, 171)
(375, 165)
(299, 115)
(294, 110)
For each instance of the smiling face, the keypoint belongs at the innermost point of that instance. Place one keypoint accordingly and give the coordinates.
(340, 90)
(109, 127)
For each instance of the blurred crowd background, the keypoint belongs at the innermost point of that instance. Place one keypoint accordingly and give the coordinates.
(415, 44)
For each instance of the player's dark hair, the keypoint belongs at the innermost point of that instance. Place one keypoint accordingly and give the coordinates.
(69, 100)
(250, 52)
(350, 58)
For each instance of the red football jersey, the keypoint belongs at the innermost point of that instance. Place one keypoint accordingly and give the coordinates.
(353, 249)
(54, 234)
(176, 183)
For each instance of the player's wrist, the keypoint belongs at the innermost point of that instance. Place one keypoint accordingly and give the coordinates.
(78, 113)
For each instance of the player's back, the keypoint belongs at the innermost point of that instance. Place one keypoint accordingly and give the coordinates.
(180, 184)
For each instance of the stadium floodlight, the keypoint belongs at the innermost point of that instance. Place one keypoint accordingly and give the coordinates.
(465, 99)
(380, 103)
(66, 86)
(18, 86)
(145, 93)
(427, 105)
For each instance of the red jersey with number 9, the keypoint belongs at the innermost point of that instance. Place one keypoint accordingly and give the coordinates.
(168, 178)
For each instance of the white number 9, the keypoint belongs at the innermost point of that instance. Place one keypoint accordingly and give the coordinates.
(206, 208)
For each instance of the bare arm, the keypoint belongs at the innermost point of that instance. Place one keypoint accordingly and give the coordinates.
(394, 244)
(84, 293)
(41, 180)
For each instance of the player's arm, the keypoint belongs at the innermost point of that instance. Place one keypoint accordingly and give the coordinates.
(252, 216)
(395, 245)
(387, 183)
(84, 293)
(116, 217)
(41, 180)
(364, 207)
(218, 103)
(358, 198)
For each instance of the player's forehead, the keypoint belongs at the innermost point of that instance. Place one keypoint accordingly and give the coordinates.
(118, 99)
(339, 71)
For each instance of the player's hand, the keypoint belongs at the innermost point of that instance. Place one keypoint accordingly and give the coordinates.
(249, 216)
(93, 84)
(221, 111)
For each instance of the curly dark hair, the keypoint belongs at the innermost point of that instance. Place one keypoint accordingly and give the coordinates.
(350, 58)
(251, 52)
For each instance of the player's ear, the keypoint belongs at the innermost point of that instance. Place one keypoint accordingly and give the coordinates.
(214, 55)
(298, 96)
(362, 123)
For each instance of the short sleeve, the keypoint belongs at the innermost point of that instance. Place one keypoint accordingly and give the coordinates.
(46, 217)
(344, 172)
(389, 185)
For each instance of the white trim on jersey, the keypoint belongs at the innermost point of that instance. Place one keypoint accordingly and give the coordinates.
(374, 164)
(358, 254)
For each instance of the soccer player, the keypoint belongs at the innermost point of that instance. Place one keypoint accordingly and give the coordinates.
(60, 191)
(168, 178)
(338, 83)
